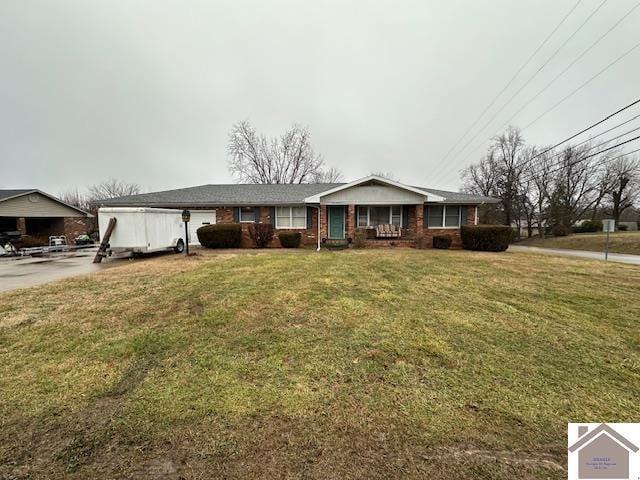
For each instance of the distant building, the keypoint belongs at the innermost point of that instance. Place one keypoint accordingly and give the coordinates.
(37, 214)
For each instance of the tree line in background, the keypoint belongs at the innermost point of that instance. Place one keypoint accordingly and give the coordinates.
(540, 187)
(90, 201)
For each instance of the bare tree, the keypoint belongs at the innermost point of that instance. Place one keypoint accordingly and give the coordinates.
(112, 189)
(75, 199)
(289, 158)
(538, 170)
(387, 175)
(578, 184)
(481, 178)
(623, 186)
(332, 175)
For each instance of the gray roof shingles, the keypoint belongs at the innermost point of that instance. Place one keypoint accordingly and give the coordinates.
(4, 194)
(252, 194)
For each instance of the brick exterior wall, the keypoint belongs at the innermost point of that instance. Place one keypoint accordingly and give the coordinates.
(415, 234)
(309, 235)
(74, 226)
(453, 233)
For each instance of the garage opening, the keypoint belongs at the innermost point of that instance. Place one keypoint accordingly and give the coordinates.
(43, 227)
(8, 224)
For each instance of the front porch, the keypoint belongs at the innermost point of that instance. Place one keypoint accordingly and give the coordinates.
(372, 225)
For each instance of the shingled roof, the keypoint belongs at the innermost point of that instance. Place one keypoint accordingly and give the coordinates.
(254, 194)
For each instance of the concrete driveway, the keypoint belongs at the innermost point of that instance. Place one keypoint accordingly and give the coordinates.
(30, 271)
(613, 257)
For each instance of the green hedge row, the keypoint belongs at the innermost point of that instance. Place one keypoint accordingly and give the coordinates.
(290, 239)
(487, 238)
(222, 235)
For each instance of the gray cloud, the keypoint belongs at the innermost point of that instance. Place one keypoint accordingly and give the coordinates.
(147, 91)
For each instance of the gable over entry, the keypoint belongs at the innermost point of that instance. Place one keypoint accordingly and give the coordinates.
(373, 190)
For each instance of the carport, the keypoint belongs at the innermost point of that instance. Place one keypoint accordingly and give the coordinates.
(38, 215)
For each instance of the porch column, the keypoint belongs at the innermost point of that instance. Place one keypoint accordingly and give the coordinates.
(323, 222)
(420, 226)
(351, 221)
(21, 225)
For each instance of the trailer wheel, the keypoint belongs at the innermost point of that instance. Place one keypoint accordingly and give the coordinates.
(179, 248)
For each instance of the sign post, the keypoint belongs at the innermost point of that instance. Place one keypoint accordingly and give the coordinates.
(608, 225)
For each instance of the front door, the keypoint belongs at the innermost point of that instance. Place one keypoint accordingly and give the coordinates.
(336, 223)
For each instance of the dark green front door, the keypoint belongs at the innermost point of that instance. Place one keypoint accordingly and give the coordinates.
(336, 223)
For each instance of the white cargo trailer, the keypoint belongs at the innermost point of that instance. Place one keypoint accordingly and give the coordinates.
(142, 229)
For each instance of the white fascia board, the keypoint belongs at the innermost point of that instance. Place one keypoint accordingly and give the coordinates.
(428, 196)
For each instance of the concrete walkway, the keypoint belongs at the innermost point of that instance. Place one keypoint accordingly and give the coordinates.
(613, 257)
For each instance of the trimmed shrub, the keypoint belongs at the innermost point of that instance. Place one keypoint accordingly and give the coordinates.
(559, 230)
(515, 235)
(587, 227)
(486, 238)
(623, 228)
(290, 239)
(261, 234)
(222, 235)
(441, 242)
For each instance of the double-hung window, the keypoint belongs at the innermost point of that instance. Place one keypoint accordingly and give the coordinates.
(291, 217)
(445, 216)
(247, 214)
(379, 215)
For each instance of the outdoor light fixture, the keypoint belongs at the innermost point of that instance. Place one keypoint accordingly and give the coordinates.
(186, 216)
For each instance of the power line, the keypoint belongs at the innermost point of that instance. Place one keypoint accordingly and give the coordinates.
(593, 125)
(583, 85)
(575, 162)
(535, 74)
(577, 59)
(566, 97)
(486, 109)
(529, 160)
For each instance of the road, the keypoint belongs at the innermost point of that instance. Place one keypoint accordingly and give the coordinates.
(613, 257)
(24, 272)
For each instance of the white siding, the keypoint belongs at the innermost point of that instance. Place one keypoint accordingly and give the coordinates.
(36, 205)
(373, 195)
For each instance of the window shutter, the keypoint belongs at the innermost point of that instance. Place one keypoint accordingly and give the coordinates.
(310, 217)
(425, 216)
(463, 215)
(405, 216)
(256, 213)
(272, 215)
(236, 214)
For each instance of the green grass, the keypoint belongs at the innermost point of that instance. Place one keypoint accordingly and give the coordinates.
(353, 364)
(619, 242)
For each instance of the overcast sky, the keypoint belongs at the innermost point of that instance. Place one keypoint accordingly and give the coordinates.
(147, 91)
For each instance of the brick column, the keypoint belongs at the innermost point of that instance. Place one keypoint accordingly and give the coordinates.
(323, 222)
(351, 221)
(21, 225)
(419, 219)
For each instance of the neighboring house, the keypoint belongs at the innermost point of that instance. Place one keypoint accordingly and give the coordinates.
(326, 212)
(39, 215)
(602, 453)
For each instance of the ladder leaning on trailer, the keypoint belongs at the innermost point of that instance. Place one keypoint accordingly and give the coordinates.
(104, 245)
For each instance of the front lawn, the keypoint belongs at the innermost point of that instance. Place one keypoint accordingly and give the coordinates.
(619, 242)
(293, 364)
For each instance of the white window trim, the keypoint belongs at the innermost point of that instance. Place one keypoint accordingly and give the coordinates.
(368, 207)
(444, 216)
(253, 212)
(291, 207)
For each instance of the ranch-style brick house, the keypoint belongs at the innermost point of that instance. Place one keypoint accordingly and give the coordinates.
(380, 211)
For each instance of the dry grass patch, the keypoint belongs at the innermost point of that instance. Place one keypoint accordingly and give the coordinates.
(354, 364)
(619, 242)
